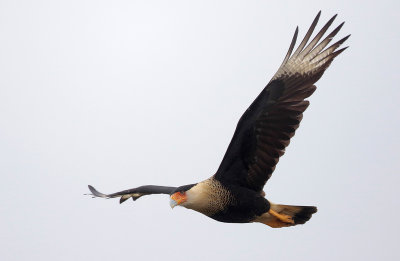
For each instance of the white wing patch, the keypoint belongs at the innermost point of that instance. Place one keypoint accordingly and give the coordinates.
(313, 58)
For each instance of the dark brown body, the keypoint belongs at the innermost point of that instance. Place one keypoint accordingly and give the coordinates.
(245, 208)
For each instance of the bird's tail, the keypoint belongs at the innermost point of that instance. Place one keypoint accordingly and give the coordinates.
(286, 216)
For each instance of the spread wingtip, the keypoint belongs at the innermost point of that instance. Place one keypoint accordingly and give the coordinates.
(96, 193)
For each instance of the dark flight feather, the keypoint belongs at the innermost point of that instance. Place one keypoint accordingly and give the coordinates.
(134, 193)
(264, 130)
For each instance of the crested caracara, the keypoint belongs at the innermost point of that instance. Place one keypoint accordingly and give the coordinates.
(235, 192)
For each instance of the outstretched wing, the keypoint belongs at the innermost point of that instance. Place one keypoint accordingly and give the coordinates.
(134, 193)
(265, 129)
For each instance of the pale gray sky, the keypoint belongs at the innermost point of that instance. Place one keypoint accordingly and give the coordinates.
(119, 94)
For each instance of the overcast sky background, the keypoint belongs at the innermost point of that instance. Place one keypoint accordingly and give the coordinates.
(119, 94)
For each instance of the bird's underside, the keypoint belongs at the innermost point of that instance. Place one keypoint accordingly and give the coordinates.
(235, 192)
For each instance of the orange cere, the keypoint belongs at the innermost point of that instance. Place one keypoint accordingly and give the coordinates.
(179, 197)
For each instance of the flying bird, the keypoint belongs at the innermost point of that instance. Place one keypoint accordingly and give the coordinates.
(234, 194)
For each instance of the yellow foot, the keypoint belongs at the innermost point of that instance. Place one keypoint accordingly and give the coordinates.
(281, 217)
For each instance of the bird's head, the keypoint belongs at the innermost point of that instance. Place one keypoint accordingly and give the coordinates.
(180, 197)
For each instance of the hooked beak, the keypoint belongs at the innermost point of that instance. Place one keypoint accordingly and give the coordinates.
(172, 203)
(176, 199)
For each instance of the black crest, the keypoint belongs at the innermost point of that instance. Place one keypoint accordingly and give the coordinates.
(183, 188)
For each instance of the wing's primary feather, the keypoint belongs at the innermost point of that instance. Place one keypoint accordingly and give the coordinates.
(265, 129)
(134, 193)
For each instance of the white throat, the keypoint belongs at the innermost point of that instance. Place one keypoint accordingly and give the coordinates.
(207, 197)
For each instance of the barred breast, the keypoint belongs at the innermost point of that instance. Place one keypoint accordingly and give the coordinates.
(208, 197)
